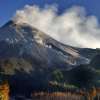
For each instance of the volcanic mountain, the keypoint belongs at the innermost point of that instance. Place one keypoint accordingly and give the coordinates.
(27, 55)
(23, 40)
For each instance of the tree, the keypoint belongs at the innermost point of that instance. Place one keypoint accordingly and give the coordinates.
(57, 75)
(83, 76)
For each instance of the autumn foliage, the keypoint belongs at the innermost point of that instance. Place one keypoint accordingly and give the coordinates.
(4, 91)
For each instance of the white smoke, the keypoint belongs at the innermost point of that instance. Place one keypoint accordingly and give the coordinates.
(73, 27)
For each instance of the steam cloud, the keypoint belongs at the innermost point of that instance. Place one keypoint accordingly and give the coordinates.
(73, 27)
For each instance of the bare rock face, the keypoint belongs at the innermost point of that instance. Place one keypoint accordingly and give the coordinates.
(20, 40)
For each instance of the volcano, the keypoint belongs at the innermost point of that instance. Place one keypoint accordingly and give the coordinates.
(28, 56)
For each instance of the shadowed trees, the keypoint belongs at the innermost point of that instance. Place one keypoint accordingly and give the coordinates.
(83, 76)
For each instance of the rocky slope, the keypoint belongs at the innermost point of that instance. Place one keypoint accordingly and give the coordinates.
(27, 56)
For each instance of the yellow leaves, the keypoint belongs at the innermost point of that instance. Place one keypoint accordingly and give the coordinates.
(4, 91)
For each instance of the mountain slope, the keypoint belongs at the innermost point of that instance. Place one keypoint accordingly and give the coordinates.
(39, 45)
(28, 56)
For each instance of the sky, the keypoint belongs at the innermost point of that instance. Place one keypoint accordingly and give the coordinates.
(9, 7)
(72, 22)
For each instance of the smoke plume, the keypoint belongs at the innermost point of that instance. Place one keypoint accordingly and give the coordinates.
(73, 27)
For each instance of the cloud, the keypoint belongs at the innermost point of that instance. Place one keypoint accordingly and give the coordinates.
(73, 27)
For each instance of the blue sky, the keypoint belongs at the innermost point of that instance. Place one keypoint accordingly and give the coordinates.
(9, 7)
